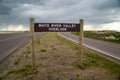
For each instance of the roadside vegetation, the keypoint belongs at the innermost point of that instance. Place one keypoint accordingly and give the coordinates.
(110, 36)
(56, 59)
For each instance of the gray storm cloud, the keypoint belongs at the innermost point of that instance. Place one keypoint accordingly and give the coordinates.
(94, 12)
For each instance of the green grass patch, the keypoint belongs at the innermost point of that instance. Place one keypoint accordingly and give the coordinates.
(28, 47)
(78, 78)
(37, 41)
(86, 64)
(53, 48)
(43, 50)
(20, 72)
(49, 76)
(75, 33)
(27, 52)
(1, 77)
(67, 42)
(113, 41)
(101, 36)
(17, 61)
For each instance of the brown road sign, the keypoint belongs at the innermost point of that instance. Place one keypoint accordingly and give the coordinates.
(56, 27)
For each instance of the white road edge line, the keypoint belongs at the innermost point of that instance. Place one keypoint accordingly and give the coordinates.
(90, 47)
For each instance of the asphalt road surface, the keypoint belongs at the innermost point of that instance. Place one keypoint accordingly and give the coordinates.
(11, 42)
(109, 49)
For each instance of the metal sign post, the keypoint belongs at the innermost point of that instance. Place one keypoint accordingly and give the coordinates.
(81, 41)
(32, 41)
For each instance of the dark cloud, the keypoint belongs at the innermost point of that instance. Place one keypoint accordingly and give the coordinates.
(13, 2)
(118, 3)
(109, 4)
(4, 9)
(93, 12)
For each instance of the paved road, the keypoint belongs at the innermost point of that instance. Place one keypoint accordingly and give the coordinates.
(106, 48)
(11, 42)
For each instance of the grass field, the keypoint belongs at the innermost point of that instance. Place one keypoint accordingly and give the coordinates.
(102, 35)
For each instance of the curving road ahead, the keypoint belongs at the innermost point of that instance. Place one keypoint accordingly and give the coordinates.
(11, 42)
(109, 49)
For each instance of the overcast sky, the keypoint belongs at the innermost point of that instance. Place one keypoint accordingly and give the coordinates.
(97, 14)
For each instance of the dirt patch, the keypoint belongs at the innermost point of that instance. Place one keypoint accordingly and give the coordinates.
(54, 61)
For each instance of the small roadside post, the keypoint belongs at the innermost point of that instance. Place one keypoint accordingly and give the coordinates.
(32, 41)
(81, 40)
